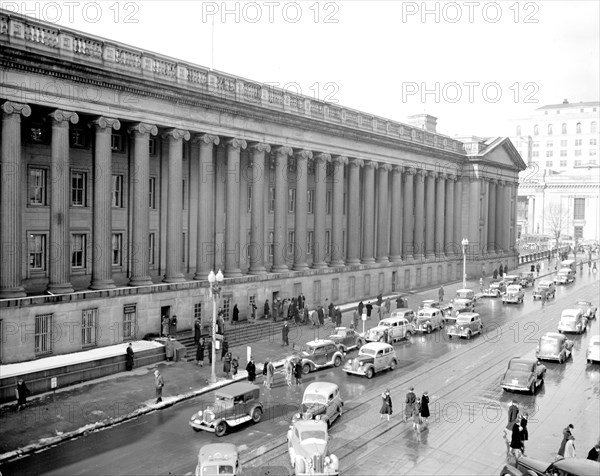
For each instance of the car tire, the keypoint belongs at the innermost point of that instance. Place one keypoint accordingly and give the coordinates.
(561, 359)
(306, 369)
(369, 373)
(256, 415)
(428, 329)
(532, 388)
(393, 364)
(299, 466)
(468, 336)
(196, 429)
(221, 429)
(337, 361)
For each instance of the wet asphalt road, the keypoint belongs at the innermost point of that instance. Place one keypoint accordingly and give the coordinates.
(464, 434)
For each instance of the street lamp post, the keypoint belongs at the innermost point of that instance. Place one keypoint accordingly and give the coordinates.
(215, 281)
(464, 243)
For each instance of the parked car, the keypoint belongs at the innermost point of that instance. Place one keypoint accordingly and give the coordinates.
(390, 330)
(593, 351)
(554, 346)
(526, 466)
(510, 279)
(564, 276)
(495, 289)
(321, 401)
(308, 447)
(588, 309)
(219, 458)
(372, 358)
(467, 325)
(407, 314)
(523, 374)
(429, 320)
(545, 287)
(235, 404)
(572, 320)
(346, 338)
(526, 279)
(317, 354)
(514, 294)
(464, 301)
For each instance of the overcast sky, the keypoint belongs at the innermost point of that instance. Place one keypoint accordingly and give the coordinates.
(474, 65)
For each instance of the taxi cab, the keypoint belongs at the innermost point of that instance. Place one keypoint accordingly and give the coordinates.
(218, 458)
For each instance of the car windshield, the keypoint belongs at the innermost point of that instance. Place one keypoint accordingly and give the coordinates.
(314, 398)
(385, 323)
(307, 435)
(308, 350)
(513, 289)
(522, 366)
(424, 315)
(370, 352)
(548, 341)
(544, 284)
(568, 317)
(584, 303)
(339, 333)
(223, 401)
(464, 294)
(463, 320)
(220, 469)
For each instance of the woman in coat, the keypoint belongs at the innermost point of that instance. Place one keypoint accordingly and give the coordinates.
(236, 315)
(298, 372)
(227, 364)
(200, 353)
(289, 371)
(251, 369)
(234, 366)
(386, 405)
(425, 407)
(170, 348)
(270, 375)
(129, 357)
(524, 432)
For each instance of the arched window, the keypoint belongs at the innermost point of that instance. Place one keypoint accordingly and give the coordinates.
(536, 130)
(578, 128)
(549, 129)
(594, 127)
(519, 131)
(564, 128)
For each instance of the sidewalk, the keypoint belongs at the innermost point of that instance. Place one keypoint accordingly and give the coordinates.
(73, 411)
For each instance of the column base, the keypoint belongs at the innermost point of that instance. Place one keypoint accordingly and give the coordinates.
(176, 278)
(140, 281)
(368, 261)
(233, 273)
(396, 259)
(16, 292)
(418, 257)
(257, 271)
(430, 256)
(320, 265)
(336, 264)
(300, 267)
(102, 284)
(201, 276)
(382, 259)
(62, 288)
(352, 262)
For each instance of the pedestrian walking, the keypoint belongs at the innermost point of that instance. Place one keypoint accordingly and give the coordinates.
(331, 309)
(441, 293)
(170, 348)
(251, 369)
(129, 355)
(481, 284)
(220, 323)
(386, 405)
(197, 330)
(253, 313)
(200, 353)
(236, 315)
(264, 372)
(224, 348)
(305, 313)
(515, 441)
(173, 325)
(417, 416)
(159, 383)
(567, 434)
(409, 404)
(570, 448)
(338, 317)
(210, 351)
(379, 299)
(369, 307)
(355, 319)
(270, 375)
(399, 303)
(165, 326)
(513, 415)
(424, 408)
(266, 309)
(235, 363)
(289, 371)
(285, 331)
(594, 453)
(500, 270)
(537, 268)
(21, 393)
(321, 315)
(524, 432)
(300, 302)
(360, 308)
(227, 364)
(387, 306)
(285, 309)
(298, 371)
(544, 297)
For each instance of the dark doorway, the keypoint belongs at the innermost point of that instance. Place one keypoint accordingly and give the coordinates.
(165, 311)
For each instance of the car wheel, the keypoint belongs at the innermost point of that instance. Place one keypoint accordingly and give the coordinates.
(221, 429)
(468, 335)
(561, 358)
(393, 365)
(532, 388)
(359, 344)
(299, 466)
(370, 373)
(340, 411)
(428, 329)
(197, 429)
(337, 361)
(408, 333)
(256, 415)
(306, 369)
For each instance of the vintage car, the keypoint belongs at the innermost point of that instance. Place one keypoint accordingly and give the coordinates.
(235, 404)
(526, 279)
(467, 325)
(572, 320)
(589, 310)
(514, 294)
(511, 279)
(495, 289)
(218, 458)
(321, 401)
(564, 276)
(523, 374)
(372, 358)
(526, 466)
(554, 346)
(346, 338)
(407, 314)
(308, 447)
(429, 320)
(593, 351)
(317, 354)
(464, 301)
(390, 330)
(545, 287)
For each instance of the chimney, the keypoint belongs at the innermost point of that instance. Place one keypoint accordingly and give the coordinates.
(423, 121)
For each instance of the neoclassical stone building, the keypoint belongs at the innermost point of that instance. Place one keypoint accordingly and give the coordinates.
(128, 176)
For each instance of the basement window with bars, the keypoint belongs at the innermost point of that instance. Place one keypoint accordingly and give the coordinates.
(43, 334)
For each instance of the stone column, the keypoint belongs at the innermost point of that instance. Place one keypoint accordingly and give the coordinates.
(140, 183)
(257, 247)
(450, 217)
(440, 198)
(429, 215)
(232, 210)
(353, 255)
(491, 218)
(302, 157)
(369, 212)
(320, 210)
(530, 214)
(396, 221)
(408, 218)
(337, 222)
(419, 230)
(205, 244)
(174, 246)
(11, 240)
(458, 228)
(281, 208)
(60, 188)
(102, 205)
(474, 196)
(508, 222)
(499, 216)
(383, 233)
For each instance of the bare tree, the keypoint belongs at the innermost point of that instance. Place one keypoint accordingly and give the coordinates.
(558, 221)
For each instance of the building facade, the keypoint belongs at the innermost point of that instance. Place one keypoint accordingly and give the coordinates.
(559, 191)
(128, 176)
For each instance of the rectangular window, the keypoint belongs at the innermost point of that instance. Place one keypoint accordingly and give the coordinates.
(151, 246)
(43, 334)
(563, 143)
(198, 311)
(536, 144)
(351, 286)
(548, 163)
(577, 163)
(152, 193)
(37, 186)
(117, 191)
(549, 143)
(367, 284)
(129, 321)
(310, 201)
(37, 252)
(328, 202)
(579, 208)
(327, 243)
(291, 242)
(271, 199)
(117, 249)
(226, 306)
(88, 327)
(152, 146)
(577, 142)
(271, 245)
(578, 233)
(183, 183)
(116, 142)
(592, 152)
(549, 153)
(310, 238)
(78, 251)
(578, 153)
(78, 189)
(593, 141)
(563, 163)
(563, 153)
(249, 199)
(335, 289)
(535, 153)
(292, 200)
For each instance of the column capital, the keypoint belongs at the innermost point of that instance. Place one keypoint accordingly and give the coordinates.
(106, 123)
(176, 134)
(430, 173)
(236, 143)
(356, 162)
(206, 139)
(143, 128)
(10, 107)
(260, 147)
(303, 154)
(410, 171)
(397, 169)
(64, 117)
(282, 150)
(370, 164)
(340, 159)
(492, 180)
(386, 167)
(441, 176)
(323, 157)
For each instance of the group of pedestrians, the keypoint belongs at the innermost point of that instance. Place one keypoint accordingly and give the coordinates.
(292, 368)
(415, 409)
(516, 433)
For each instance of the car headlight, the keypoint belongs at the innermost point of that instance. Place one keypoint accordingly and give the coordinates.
(349, 362)
(360, 364)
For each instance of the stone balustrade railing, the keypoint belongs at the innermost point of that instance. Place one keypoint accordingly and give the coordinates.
(21, 31)
(541, 255)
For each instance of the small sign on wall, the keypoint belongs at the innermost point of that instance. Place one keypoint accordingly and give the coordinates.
(54, 382)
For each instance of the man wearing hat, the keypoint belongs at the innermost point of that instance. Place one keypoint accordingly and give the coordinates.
(159, 383)
(411, 399)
